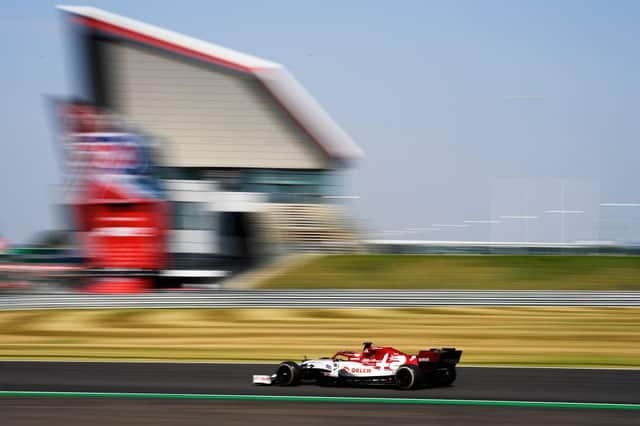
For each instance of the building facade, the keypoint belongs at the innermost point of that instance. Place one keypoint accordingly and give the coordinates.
(246, 156)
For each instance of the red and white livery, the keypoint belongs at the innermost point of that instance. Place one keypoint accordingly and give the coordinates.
(375, 365)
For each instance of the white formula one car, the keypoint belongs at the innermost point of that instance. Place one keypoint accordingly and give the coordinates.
(375, 365)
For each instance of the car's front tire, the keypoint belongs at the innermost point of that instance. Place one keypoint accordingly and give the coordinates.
(288, 374)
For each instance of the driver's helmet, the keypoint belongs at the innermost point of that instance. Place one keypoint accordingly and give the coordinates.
(368, 350)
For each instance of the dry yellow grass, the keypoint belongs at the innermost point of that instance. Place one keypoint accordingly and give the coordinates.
(517, 336)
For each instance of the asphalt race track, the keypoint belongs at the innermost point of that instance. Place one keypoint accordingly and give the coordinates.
(509, 384)
(534, 384)
(109, 412)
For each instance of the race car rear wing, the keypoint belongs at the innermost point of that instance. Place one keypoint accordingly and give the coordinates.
(438, 358)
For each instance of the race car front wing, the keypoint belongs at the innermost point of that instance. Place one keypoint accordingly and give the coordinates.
(264, 379)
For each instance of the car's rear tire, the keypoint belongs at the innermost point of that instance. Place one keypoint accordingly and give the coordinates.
(408, 377)
(449, 376)
(442, 377)
(288, 374)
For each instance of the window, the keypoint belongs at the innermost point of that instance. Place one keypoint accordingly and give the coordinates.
(290, 186)
(191, 215)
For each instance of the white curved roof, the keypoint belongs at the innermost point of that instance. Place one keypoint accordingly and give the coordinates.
(291, 95)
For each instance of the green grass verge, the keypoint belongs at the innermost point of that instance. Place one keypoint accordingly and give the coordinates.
(474, 272)
(596, 337)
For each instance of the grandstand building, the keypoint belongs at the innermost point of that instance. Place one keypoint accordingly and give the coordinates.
(246, 157)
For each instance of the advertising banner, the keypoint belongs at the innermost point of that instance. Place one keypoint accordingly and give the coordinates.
(118, 207)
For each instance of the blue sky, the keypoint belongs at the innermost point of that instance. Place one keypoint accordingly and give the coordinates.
(467, 110)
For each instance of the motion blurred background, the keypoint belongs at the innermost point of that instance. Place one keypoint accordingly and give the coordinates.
(492, 128)
(456, 173)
